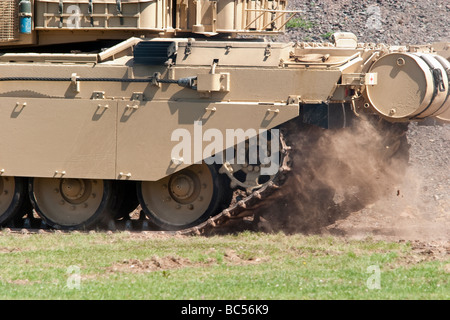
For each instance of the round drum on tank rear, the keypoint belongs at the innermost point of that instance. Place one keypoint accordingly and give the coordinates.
(410, 86)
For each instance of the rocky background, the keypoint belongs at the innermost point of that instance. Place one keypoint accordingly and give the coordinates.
(418, 207)
(386, 21)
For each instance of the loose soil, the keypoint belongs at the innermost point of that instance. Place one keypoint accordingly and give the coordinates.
(156, 263)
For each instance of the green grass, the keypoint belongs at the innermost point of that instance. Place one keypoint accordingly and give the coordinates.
(327, 35)
(243, 266)
(300, 23)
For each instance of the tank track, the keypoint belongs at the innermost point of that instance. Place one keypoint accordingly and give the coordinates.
(241, 206)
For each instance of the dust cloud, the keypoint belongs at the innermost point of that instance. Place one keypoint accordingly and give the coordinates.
(335, 173)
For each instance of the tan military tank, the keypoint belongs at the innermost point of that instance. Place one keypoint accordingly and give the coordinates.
(110, 105)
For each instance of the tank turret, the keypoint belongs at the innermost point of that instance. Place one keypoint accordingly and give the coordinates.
(48, 22)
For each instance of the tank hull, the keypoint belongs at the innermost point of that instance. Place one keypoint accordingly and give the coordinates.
(171, 118)
(97, 117)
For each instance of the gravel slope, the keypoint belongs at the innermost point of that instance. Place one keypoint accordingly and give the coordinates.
(387, 21)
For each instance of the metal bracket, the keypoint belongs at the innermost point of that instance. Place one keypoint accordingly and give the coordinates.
(267, 51)
(188, 48)
(75, 83)
(212, 109)
(137, 96)
(293, 100)
(352, 79)
(155, 78)
(359, 79)
(273, 110)
(98, 95)
(213, 82)
(124, 175)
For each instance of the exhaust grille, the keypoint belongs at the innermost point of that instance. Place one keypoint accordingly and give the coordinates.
(9, 20)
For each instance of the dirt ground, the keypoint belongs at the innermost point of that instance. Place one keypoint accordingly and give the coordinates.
(419, 207)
